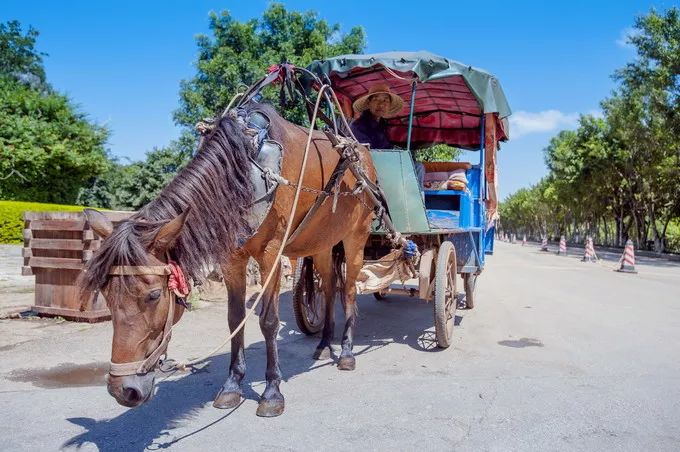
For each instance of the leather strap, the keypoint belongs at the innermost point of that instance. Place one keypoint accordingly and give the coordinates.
(149, 363)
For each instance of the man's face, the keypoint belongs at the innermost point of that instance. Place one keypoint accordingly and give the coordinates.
(379, 105)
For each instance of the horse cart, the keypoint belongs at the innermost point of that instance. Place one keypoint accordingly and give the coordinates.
(450, 219)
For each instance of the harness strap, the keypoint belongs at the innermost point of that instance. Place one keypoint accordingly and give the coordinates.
(335, 178)
(149, 363)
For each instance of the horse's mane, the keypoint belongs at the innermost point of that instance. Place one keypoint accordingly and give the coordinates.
(215, 185)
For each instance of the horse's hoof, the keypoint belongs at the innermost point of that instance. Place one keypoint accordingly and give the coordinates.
(347, 363)
(322, 353)
(227, 400)
(270, 408)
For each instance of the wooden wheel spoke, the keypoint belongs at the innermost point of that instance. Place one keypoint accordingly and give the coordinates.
(445, 293)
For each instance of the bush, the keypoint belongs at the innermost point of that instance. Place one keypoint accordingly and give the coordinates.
(11, 217)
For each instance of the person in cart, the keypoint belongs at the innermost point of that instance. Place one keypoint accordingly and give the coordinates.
(370, 127)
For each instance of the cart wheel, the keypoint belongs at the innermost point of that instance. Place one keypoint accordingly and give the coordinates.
(308, 300)
(380, 295)
(469, 283)
(445, 294)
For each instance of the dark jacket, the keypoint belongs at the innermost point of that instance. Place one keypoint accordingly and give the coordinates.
(367, 130)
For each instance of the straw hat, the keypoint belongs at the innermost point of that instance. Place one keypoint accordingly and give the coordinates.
(396, 102)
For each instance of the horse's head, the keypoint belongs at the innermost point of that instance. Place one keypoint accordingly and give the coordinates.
(133, 272)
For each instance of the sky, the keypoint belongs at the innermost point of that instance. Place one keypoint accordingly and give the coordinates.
(122, 62)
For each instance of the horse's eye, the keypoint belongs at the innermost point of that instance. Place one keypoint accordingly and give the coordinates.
(154, 295)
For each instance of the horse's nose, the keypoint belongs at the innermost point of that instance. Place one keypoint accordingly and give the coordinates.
(132, 395)
(133, 390)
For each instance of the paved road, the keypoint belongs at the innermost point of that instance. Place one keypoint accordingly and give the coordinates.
(557, 355)
(16, 291)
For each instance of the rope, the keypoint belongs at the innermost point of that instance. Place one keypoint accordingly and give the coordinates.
(231, 102)
(395, 75)
(182, 365)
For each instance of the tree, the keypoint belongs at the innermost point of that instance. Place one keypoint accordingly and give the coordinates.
(18, 57)
(238, 54)
(624, 168)
(47, 148)
(131, 186)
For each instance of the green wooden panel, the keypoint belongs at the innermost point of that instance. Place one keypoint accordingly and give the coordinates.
(397, 178)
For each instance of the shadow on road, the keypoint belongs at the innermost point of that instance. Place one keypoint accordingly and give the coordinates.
(398, 319)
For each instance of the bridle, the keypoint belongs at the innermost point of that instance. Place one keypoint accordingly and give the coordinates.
(178, 289)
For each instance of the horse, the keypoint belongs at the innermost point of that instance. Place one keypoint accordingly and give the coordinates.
(199, 221)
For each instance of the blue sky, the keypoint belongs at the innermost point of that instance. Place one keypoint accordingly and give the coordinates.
(122, 61)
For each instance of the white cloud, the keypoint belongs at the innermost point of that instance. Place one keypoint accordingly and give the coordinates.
(525, 122)
(626, 34)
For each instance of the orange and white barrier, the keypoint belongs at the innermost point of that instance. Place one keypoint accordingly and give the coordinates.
(628, 259)
(563, 247)
(544, 244)
(589, 253)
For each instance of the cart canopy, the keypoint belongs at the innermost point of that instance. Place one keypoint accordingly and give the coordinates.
(450, 101)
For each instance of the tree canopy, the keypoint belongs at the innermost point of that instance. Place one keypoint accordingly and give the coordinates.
(48, 149)
(238, 54)
(618, 177)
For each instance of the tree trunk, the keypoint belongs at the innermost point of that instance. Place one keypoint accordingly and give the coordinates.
(606, 231)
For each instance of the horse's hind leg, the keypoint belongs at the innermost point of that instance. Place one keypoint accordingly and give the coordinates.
(354, 259)
(271, 401)
(323, 263)
(235, 278)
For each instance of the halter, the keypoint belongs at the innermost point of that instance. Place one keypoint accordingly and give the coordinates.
(178, 288)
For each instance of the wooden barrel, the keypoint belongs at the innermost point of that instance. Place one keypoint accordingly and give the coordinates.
(56, 247)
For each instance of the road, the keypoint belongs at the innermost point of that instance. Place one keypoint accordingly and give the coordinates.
(557, 355)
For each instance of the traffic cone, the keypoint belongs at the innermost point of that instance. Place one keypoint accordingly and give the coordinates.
(563, 247)
(589, 253)
(524, 239)
(628, 259)
(544, 244)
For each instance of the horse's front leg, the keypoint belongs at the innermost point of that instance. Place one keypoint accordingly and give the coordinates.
(271, 401)
(235, 278)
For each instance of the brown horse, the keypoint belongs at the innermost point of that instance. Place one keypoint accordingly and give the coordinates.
(198, 221)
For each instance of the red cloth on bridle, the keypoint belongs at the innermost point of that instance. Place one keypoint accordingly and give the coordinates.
(178, 282)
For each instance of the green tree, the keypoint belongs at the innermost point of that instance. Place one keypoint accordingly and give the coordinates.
(239, 53)
(137, 184)
(18, 57)
(48, 149)
(623, 169)
(130, 186)
(438, 153)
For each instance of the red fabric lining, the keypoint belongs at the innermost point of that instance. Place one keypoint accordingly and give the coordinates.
(445, 111)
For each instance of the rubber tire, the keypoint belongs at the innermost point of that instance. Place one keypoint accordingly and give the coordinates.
(445, 275)
(300, 300)
(470, 284)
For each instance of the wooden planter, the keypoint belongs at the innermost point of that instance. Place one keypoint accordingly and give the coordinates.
(56, 246)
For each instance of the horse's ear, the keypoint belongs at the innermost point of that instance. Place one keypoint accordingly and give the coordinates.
(98, 222)
(169, 232)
